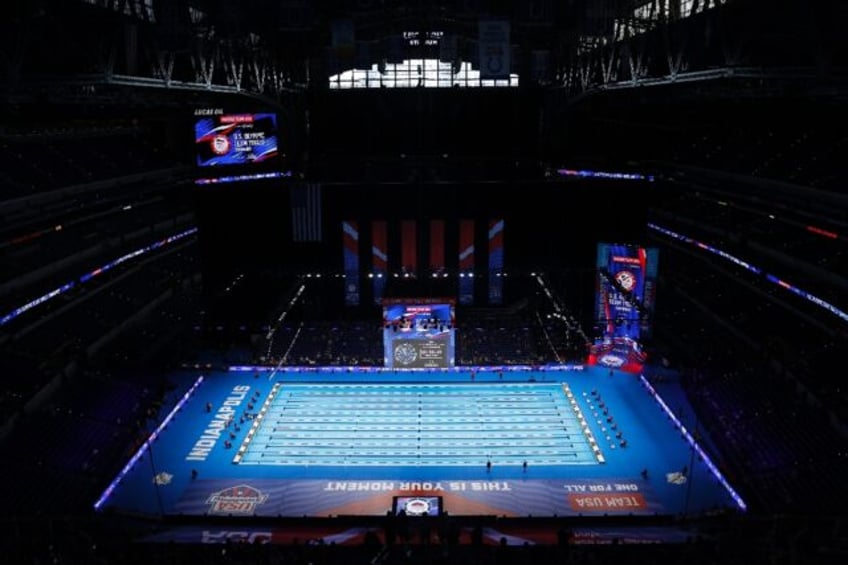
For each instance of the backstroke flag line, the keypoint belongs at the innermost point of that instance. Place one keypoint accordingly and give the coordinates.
(306, 212)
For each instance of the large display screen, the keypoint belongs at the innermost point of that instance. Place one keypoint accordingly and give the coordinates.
(235, 139)
(418, 335)
(625, 296)
(621, 281)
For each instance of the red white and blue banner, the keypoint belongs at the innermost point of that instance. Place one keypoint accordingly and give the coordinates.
(466, 261)
(350, 256)
(496, 261)
(379, 258)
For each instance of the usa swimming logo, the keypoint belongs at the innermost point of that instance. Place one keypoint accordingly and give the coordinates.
(241, 499)
(610, 360)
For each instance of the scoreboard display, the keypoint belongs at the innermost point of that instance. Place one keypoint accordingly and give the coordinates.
(418, 335)
(235, 139)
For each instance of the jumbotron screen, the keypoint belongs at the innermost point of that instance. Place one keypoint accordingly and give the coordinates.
(235, 139)
(615, 306)
(625, 294)
(418, 335)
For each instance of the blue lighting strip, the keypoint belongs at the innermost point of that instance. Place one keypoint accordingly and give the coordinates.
(771, 278)
(354, 369)
(90, 275)
(707, 461)
(706, 247)
(32, 304)
(108, 492)
(240, 178)
(811, 297)
(604, 175)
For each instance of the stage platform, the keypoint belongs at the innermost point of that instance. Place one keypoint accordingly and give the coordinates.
(552, 442)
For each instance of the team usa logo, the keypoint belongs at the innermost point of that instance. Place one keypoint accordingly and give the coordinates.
(676, 478)
(416, 507)
(626, 279)
(241, 499)
(162, 479)
(220, 145)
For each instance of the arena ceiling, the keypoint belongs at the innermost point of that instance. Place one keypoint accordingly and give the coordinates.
(90, 49)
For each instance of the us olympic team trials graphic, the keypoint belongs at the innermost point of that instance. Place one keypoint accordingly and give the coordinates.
(235, 139)
(626, 285)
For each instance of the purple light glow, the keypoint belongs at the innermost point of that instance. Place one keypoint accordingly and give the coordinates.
(707, 461)
(145, 445)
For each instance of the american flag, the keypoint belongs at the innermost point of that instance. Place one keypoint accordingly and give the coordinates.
(306, 212)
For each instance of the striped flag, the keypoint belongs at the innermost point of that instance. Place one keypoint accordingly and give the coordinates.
(306, 212)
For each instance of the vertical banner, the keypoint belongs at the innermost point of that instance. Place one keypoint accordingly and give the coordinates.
(408, 248)
(650, 297)
(437, 246)
(494, 49)
(621, 282)
(306, 212)
(496, 261)
(379, 258)
(619, 306)
(466, 261)
(350, 251)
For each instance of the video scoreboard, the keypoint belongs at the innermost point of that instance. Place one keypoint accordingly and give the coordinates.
(419, 334)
